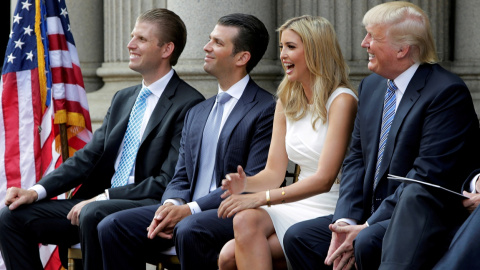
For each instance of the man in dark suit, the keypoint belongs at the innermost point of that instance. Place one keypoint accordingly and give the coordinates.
(463, 251)
(110, 181)
(414, 119)
(437, 215)
(187, 217)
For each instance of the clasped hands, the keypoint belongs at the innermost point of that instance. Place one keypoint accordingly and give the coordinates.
(234, 185)
(165, 219)
(341, 252)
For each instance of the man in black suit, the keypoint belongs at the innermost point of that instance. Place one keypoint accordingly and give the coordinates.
(414, 119)
(110, 181)
(187, 217)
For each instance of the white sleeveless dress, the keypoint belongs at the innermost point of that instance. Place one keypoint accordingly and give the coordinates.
(304, 146)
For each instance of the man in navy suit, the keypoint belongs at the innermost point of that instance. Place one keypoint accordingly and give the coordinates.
(431, 138)
(156, 43)
(187, 217)
(427, 243)
(463, 251)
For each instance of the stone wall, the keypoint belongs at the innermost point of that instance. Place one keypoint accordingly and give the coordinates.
(102, 30)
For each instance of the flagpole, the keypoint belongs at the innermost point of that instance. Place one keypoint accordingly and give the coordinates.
(64, 141)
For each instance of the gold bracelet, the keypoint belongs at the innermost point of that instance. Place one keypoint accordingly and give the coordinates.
(267, 194)
(283, 194)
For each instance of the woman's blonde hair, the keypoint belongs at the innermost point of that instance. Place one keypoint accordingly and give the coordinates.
(325, 63)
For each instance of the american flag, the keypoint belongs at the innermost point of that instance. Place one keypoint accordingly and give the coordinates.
(41, 87)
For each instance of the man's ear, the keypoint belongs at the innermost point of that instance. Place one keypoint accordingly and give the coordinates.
(167, 49)
(242, 58)
(403, 51)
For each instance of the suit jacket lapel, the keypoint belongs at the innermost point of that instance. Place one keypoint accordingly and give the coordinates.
(196, 132)
(162, 107)
(243, 106)
(118, 132)
(410, 97)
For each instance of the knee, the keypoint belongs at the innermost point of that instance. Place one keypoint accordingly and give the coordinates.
(88, 218)
(189, 230)
(106, 225)
(245, 225)
(292, 238)
(412, 191)
(5, 218)
(364, 243)
(226, 258)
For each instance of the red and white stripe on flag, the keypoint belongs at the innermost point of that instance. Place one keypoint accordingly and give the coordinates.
(41, 86)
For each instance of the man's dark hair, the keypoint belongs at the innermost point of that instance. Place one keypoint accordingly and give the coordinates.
(170, 29)
(252, 36)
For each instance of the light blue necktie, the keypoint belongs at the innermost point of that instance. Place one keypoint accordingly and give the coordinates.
(131, 140)
(389, 105)
(206, 170)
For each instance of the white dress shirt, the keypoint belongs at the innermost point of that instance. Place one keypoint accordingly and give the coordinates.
(236, 92)
(157, 88)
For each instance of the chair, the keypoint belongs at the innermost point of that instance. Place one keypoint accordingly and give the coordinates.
(74, 253)
(294, 174)
(168, 261)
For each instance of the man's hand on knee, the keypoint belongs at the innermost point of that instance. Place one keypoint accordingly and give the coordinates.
(74, 213)
(19, 196)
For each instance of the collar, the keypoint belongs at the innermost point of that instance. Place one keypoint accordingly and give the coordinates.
(404, 79)
(237, 89)
(159, 85)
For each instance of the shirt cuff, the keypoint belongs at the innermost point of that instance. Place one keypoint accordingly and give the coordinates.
(347, 220)
(107, 194)
(473, 183)
(41, 192)
(174, 201)
(194, 208)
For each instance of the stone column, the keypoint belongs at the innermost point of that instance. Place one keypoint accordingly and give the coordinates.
(118, 21)
(346, 17)
(200, 18)
(86, 21)
(466, 39)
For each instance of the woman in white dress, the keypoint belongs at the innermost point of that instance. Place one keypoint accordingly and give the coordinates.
(312, 126)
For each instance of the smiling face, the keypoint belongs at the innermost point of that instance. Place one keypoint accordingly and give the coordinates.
(219, 58)
(382, 55)
(145, 51)
(293, 57)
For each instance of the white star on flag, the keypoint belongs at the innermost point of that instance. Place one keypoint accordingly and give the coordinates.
(19, 43)
(28, 30)
(16, 19)
(10, 58)
(26, 5)
(30, 56)
(64, 12)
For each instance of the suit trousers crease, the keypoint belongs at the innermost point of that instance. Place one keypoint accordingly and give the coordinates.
(464, 249)
(422, 226)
